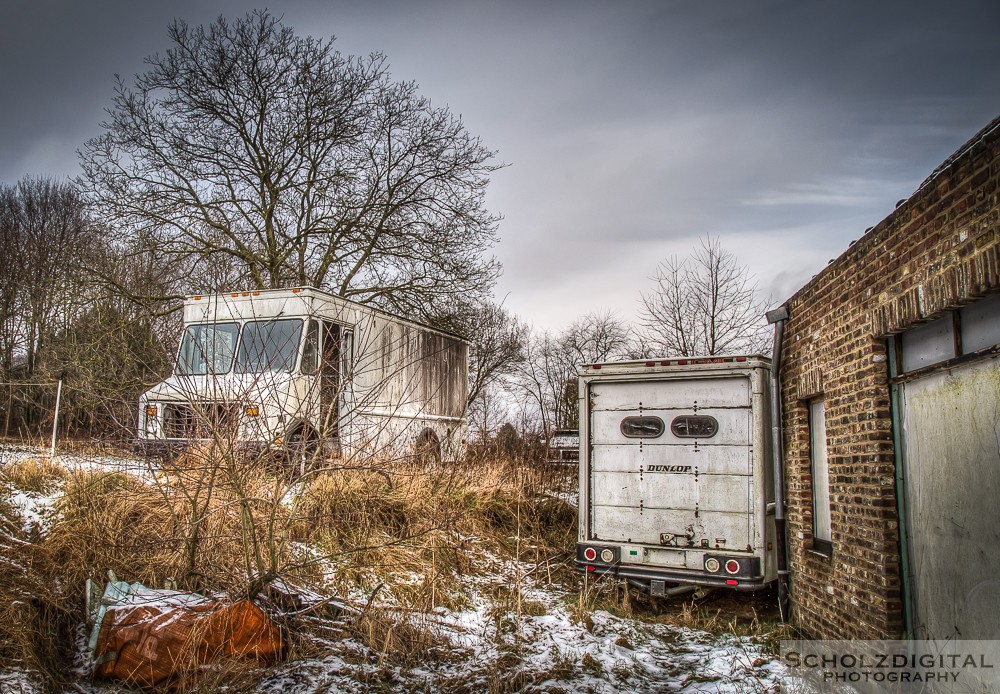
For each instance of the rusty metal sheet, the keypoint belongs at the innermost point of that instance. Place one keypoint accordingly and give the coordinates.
(163, 638)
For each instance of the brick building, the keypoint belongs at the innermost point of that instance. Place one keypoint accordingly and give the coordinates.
(891, 418)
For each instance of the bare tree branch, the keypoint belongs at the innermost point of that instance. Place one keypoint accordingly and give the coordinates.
(263, 158)
(703, 305)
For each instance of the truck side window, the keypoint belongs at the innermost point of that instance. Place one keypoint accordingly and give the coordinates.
(642, 427)
(310, 351)
(694, 426)
(347, 354)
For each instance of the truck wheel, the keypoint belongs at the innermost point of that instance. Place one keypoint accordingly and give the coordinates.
(427, 447)
(303, 448)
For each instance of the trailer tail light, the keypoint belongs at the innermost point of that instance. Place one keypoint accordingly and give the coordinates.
(590, 554)
(607, 556)
(732, 582)
(737, 567)
(151, 410)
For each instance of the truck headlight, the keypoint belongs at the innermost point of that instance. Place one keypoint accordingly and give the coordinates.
(152, 418)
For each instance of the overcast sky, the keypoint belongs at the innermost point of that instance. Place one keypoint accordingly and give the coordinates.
(785, 128)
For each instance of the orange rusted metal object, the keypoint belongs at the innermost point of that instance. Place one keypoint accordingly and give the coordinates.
(165, 638)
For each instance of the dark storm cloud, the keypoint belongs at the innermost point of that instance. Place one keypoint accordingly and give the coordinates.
(632, 128)
(59, 59)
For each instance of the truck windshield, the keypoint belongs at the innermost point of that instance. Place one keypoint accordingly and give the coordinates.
(207, 349)
(270, 345)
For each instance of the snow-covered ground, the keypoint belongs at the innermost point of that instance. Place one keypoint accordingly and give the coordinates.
(34, 508)
(78, 461)
(534, 638)
(550, 652)
(548, 645)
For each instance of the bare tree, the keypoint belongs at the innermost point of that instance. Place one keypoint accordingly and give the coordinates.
(272, 160)
(703, 305)
(45, 232)
(548, 375)
(595, 338)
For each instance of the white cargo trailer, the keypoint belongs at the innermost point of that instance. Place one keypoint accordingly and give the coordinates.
(307, 370)
(675, 473)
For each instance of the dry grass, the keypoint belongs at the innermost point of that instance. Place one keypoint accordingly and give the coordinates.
(32, 619)
(38, 475)
(220, 523)
(428, 523)
(387, 539)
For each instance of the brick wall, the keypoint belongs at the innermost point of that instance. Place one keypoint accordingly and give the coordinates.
(937, 250)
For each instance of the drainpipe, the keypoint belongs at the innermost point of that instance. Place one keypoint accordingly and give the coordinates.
(777, 317)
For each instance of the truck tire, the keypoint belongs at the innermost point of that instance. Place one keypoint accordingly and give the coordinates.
(427, 447)
(303, 448)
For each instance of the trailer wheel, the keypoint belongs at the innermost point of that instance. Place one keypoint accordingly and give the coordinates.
(427, 447)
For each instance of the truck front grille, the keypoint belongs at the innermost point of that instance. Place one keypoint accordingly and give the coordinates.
(183, 420)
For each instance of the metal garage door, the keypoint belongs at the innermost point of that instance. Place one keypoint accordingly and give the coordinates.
(951, 499)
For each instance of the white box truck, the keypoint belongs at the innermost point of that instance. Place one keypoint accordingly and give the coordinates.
(675, 473)
(304, 369)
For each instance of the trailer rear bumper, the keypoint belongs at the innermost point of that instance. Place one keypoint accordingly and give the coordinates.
(670, 576)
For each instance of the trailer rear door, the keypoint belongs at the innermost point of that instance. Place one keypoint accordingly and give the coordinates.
(671, 461)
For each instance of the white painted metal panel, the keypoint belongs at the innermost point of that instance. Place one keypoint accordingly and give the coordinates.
(625, 524)
(734, 426)
(666, 490)
(672, 394)
(705, 460)
(951, 435)
(668, 484)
